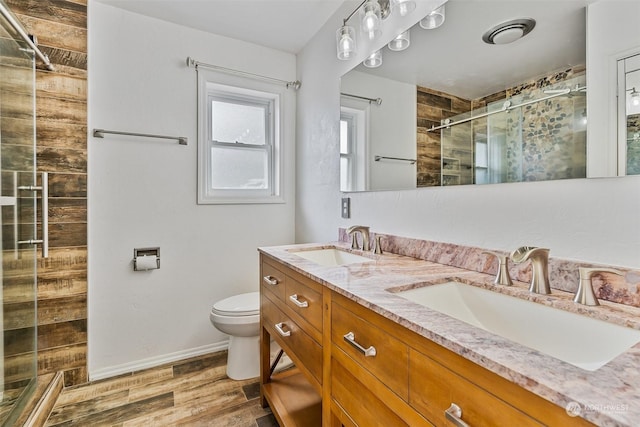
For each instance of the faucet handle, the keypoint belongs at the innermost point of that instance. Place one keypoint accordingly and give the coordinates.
(585, 294)
(502, 276)
(377, 249)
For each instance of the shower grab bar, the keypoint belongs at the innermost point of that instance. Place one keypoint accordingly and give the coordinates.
(99, 133)
(31, 42)
(506, 107)
(378, 158)
(45, 215)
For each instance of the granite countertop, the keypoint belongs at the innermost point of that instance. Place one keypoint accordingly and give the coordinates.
(609, 396)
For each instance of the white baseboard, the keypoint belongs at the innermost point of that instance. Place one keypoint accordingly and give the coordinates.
(152, 362)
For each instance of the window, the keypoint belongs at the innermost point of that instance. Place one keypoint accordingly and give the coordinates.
(347, 152)
(239, 146)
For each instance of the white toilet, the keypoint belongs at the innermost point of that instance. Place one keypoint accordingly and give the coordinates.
(239, 317)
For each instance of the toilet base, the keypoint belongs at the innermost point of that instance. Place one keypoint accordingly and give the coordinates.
(243, 360)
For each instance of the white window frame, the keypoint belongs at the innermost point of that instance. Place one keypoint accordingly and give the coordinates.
(214, 85)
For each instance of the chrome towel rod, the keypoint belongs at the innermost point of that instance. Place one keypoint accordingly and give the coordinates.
(378, 158)
(99, 133)
(295, 85)
(377, 101)
(22, 32)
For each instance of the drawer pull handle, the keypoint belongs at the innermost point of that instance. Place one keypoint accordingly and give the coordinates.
(281, 331)
(454, 414)
(270, 280)
(302, 304)
(351, 339)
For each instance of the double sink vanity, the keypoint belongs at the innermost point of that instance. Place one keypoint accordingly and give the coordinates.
(392, 340)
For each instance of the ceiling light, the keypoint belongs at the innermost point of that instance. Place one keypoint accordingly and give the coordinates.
(346, 42)
(434, 19)
(401, 42)
(370, 18)
(403, 6)
(374, 60)
(508, 32)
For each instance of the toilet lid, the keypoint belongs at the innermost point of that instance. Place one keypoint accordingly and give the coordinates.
(239, 305)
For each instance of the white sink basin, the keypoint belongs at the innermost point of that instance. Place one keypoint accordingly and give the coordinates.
(579, 340)
(332, 257)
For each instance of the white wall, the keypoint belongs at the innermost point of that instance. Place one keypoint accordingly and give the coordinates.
(392, 128)
(143, 193)
(613, 33)
(594, 220)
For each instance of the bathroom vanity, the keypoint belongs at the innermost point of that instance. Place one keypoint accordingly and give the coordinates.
(365, 356)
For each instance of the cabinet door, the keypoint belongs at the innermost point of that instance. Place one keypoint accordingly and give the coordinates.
(433, 388)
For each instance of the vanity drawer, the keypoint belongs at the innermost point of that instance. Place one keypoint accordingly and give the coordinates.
(273, 280)
(303, 350)
(358, 401)
(433, 388)
(305, 302)
(358, 338)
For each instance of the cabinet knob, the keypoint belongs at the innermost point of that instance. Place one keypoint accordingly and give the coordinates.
(351, 339)
(281, 331)
(270, 280)
(294, 299)
(454, 414)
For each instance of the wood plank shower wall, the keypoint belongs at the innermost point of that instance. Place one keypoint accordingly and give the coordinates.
(61, 128)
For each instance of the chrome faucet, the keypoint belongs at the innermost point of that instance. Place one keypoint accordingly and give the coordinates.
(585, 294)
(502, 276)
(353, 230)
(539, 267)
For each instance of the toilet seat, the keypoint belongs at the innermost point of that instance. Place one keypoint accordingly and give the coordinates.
(247, 304)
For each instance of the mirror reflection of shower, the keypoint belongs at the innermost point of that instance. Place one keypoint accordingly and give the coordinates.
(537, 133)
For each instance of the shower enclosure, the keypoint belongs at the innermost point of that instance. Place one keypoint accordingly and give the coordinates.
(18, 206)
(535, 135)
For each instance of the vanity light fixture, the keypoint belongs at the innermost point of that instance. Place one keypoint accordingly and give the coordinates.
(434, 19)
(374, 60)
(508, 32)
(635, 97)
(401, 42)
(372, 13)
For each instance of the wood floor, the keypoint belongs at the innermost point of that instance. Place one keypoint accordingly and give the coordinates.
(194, 392)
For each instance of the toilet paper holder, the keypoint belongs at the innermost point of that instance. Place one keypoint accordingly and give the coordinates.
(146, 252)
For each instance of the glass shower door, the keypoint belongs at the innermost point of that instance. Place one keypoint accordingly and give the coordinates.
(18, 352)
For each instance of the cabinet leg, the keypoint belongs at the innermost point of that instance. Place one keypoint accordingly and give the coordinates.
(265, 363)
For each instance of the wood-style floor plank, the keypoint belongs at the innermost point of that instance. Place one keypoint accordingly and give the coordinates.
(194, 392)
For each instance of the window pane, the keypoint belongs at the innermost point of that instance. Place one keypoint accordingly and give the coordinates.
(238, 123)
(233, 169)
(344, 137)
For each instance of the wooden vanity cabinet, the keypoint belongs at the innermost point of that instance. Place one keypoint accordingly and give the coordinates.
(292, 315)
(409, 381)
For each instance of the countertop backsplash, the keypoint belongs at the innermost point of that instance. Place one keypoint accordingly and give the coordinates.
(563, 274)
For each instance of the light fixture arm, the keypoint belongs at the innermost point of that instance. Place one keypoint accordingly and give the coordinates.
(344, 21)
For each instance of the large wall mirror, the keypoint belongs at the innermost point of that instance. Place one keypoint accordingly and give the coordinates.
(629, 119)
(452, 109)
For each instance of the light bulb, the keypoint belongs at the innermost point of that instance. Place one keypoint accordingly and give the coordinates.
(346, 42)
(434, 19)
(370, 19)
(401, 42)
(403, 7)
(374, 60)
(635, 100)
